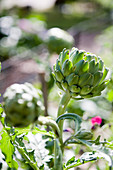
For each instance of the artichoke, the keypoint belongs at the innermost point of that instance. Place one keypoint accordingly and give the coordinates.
(22, 104)
(57, 39)
(81, 73)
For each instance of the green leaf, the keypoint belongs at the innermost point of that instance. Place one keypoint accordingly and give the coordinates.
(72, 116)
(84, 158)
(27, 155)
(100, 148)
(84, 134)
(43, 132)
(34, 131)
(8, 149)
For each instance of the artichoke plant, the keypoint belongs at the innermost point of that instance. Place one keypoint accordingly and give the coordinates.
(81, 73)
(56, 39)
(22, 104)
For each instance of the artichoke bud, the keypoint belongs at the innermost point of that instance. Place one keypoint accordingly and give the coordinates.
(22, 104)
(81, 73)
(58, 75)
(74, 88)
(97, 78)
(86, 89)
(67, 67)
(72, 79)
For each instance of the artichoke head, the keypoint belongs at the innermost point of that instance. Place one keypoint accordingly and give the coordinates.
(81, 73)
(22, 104)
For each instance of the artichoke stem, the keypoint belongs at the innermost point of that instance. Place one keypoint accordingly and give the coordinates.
(61, 109)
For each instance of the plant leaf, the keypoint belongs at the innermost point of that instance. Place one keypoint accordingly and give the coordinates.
(37, 143)
(8, 149)
(27, 155)
(100, 147)
(84, 158)
(84, 134)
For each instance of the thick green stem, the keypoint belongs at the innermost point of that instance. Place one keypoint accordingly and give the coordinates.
(57, 156)
(61, 109)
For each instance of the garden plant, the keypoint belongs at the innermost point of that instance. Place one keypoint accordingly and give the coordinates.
(29, 140)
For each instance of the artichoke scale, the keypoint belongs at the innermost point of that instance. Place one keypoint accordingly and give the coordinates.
(72, 79)
(66, 68)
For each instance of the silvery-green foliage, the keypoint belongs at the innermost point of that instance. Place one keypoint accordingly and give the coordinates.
(38, 144)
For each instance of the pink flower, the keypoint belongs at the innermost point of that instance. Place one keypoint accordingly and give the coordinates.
(96, 120)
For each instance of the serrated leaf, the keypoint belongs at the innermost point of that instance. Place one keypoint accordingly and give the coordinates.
(43, 132)
(8, 149)
(34, 131)
(84, 158)
(98, 146)
(27, 155)
(41, 154)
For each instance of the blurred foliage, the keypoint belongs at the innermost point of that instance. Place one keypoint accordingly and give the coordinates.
(58, 39)
(17, 35)
(106, 42)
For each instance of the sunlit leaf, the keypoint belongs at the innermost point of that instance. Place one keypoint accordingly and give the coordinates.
(8, 149)
(84, 158)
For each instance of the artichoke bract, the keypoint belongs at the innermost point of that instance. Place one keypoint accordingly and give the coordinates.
(82, 73)
(57, 39)
(22, 104)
